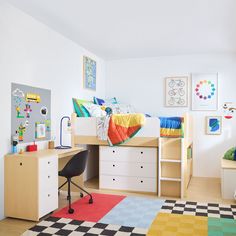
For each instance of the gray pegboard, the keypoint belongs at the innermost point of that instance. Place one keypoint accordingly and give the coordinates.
(30, 105)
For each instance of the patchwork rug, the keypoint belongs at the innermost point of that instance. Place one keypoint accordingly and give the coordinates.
(137, 216)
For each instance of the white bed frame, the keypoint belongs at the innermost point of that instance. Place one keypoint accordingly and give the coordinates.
(84, 131)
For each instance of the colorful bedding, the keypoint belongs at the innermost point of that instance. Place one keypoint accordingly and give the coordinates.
(122, 127)
(171, 127)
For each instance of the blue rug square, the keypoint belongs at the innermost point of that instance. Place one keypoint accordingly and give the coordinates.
(134, 211)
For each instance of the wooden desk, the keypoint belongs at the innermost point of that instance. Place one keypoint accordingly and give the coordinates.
(31, 182)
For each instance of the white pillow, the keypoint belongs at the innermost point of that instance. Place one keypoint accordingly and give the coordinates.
(94, 110)
(120, 108)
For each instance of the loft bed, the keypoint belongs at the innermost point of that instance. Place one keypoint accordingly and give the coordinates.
(170, 176)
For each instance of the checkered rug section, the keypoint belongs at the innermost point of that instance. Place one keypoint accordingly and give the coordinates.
(199, 209)
(67, 227)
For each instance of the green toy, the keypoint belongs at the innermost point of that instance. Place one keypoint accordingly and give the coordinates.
(230, 154)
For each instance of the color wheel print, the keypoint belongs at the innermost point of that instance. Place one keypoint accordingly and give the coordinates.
(205, 89)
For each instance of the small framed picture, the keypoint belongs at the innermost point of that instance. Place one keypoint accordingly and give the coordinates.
(176, 91)
(205, 92)
(213, 125)
(40, 130)
(89, 73)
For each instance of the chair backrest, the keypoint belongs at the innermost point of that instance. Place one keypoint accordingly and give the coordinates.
(76, 165)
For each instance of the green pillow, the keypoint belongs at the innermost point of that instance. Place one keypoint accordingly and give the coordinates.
(80, 110)
(230, 154)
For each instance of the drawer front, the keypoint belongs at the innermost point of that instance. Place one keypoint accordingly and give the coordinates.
(47, 181)
(128, 183)
(48, 164)
(128, 169)
(48, 173)
(128, 154)
(48, 201)
(48, 185)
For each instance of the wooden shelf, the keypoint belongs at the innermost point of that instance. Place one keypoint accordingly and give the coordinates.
(171, 148)
(170, 179)
(170, 170)
(171, 160)
(170, 188)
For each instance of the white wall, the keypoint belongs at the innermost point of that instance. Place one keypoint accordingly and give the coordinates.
(33, 54)
(140, 82)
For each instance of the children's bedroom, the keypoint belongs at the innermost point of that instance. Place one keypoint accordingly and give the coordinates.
(118, 118)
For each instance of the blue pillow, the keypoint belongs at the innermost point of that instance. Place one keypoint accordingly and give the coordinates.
(100, 101)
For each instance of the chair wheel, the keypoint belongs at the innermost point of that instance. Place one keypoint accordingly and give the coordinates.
(71, 211)
(90, 201)
(81, 195)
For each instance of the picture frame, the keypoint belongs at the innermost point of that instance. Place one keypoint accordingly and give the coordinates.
(213, 125)
(89, 73)
(176, 91)
(40, 130)
(205, 92)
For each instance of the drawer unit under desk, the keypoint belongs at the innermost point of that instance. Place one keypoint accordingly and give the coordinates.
(128, 154)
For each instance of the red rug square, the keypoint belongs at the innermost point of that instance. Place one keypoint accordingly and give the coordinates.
(102, 204)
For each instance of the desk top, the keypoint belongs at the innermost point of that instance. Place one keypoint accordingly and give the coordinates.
(228, 164)
(61, 153)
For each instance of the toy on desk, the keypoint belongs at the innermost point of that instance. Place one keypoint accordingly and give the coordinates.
(14, 142)
(32, 148)
(69, 127)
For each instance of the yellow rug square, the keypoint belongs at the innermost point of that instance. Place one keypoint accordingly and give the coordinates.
(178, 225)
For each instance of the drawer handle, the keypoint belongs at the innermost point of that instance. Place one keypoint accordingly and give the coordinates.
(21, 164)
(141, 152)
(113, 165)
(49, 176)
(48, 162)
(114, 179)
(49, 195)
(141, 181)
(141, 167)
(113, 151)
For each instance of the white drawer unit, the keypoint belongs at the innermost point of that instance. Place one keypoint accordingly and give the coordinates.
(48, 182)
(33, 185)
(128, 168)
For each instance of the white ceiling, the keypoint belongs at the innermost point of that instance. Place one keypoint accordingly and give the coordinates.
(117, 29)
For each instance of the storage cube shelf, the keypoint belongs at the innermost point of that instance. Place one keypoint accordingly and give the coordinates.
(170, 167)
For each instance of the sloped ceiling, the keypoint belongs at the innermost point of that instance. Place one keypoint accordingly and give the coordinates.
(117, 29)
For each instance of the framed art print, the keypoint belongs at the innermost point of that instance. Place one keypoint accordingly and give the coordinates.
(213, 125)
(204, 92)
(176, 91)
(89, 73)
(40, 130)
